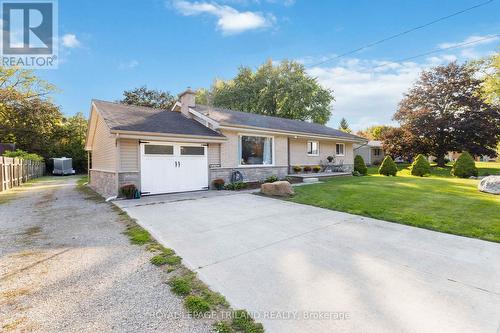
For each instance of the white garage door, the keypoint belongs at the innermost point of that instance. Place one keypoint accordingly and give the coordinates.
(173, 167)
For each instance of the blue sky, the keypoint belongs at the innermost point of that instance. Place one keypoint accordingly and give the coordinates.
(109, 46)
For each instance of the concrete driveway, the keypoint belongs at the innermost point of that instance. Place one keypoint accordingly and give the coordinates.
(325, 271)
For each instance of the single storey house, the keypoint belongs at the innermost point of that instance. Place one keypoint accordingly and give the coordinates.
(371, 152)
(187, 147)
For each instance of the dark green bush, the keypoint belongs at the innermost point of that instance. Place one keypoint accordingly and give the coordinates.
(464, 166)
(316, 168)
(297, 169)
(420, 166)
(23, 154)
(271, 179)
(330, 158)
(236, 186)
(388, 167)
(359, 165)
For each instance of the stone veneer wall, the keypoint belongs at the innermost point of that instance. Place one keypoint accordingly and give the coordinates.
(104, 183)
(249, 174)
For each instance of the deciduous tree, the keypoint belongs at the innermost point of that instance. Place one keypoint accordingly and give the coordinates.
(283, 90)
(152, 98)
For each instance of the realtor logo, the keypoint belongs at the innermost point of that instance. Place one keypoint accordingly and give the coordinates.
(29, 33)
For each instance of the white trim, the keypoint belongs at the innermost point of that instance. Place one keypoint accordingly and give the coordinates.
(307, 147)
(208, 120)
(298, 134)
(255, 165)
(343, 149)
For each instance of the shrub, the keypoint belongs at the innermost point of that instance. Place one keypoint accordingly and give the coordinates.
(420, 166)
(219, 183)
(297, 169)
(359, 165)
(236, 186)
(180, 285)
(158, 260)
(388, 167)
(23, 154)
(316, 168)
(196, 305)
(242, 321)
(330, 158)
(464, 166)
(271, 179)
(307, 168)
(128, 191)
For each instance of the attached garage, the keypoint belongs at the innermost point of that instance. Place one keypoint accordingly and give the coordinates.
(168, 167)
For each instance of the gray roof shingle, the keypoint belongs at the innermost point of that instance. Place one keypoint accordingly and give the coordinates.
(144, 119)
(230, 117)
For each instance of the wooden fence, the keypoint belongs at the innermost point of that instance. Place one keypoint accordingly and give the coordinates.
(15, 171)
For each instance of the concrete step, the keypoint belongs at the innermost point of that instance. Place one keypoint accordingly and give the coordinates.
(310, 180)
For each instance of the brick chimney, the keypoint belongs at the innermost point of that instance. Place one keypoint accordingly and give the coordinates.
(187, 99)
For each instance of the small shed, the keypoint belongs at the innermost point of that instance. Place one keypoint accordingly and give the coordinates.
(63, 166)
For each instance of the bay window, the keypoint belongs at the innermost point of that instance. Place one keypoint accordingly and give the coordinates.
(256, 150)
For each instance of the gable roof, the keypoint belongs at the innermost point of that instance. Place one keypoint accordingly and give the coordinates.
(238, 118)
(121, 117)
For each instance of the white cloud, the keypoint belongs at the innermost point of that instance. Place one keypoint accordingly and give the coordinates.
(70, 41)
(128, 65)
(367, 92)
(229, 20)
(473, 40)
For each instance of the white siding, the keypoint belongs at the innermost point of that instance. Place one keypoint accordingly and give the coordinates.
(129, 155)
(103, 148)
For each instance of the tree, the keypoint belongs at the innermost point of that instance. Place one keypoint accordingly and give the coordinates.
(148, 97)
(444, 112)
(344, 126)
(359, 165)
(283, 90)
(420, 166)
(464, 166)
(490, 90)
(28, 118)
(388, 167)
(71, 141)
(376, 132)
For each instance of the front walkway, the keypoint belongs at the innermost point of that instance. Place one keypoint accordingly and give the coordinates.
(323, 271)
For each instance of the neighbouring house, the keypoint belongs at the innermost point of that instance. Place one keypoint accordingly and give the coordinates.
(371, 152)
(187, 147)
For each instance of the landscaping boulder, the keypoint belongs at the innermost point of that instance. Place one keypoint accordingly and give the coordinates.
(280, 188)
(490, 184)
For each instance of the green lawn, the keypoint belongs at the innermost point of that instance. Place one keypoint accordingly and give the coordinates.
(439, 202)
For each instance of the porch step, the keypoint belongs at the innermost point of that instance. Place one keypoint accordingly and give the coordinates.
(310, 180)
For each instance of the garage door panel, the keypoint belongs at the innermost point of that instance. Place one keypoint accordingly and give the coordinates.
(167, 168)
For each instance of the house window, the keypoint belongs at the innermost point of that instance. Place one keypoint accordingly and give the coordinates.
(158, 150)
(312, 148)
(377, 152)
(339, 149)
(256, 150)
(192, 150)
